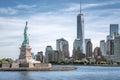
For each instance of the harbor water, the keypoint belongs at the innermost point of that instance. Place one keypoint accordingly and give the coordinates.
(81, 73)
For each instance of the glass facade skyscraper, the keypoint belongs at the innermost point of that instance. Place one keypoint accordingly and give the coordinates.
(117, 48)
(114, 29)
(103, 47)
(77, 53)
(80, 29)
(89, 49)
(62, 46)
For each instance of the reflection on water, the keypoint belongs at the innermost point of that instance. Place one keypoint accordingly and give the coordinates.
(82, 73)
(24, 75)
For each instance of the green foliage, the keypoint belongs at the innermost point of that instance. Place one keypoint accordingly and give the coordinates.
(53, 62)
(92, 63)
(103, 62)
(118, 63)
(62, 62)
(6, 60)
(78, 62)
(75, 62)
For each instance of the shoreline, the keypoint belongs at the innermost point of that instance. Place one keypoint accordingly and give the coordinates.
(53, 68)
(88, 65)
(39, 69)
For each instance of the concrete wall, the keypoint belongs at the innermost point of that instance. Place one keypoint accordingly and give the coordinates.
(42, 65)
(6, 65)
(15, 65)
(27, 65)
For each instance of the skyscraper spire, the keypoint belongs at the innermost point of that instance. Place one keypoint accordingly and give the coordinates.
(80, 8)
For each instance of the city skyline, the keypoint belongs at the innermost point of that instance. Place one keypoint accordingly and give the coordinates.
(48, 22)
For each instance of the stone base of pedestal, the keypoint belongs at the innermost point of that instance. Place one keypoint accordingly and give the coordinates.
(15, 65)
(42, 65)
(27, 65)
(6, 65)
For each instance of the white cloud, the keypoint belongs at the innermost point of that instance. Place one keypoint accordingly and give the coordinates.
(100, 4)
(23, 6)
(76, 6)
(8, 10)
(16, 9)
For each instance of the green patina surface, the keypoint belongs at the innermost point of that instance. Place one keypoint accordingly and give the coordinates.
(26, 38)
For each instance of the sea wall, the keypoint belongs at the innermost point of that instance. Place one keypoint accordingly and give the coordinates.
(42, 65)
(26, 65)
(39, 69)
(6, 65)
(15, 65)
(33, 67)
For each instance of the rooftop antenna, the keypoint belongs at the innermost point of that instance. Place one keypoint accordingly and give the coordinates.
(80, 8)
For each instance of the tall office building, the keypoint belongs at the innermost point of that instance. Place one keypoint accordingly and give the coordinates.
(111, 42)
(57, 56)
(49, 54)
(89, 49)
(97, 52)
(110, 47)
(39, 57)
(63, 47)
(108, 37)
(77, 50)
(103, 47)
(114, 30)
(77, 44)
(86, 41)
(80, 29)
(117, 49)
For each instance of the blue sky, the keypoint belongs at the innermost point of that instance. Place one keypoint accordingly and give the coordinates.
(49, 20)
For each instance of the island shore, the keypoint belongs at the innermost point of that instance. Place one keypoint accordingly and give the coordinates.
(39, 69)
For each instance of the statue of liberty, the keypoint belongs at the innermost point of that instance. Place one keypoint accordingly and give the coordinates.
(26, 38)
(25, 50)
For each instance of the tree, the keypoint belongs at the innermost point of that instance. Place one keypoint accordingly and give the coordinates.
(6, 60)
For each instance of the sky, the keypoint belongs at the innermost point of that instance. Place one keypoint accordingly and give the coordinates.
(49, 20)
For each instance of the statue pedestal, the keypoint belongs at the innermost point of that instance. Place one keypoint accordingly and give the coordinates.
(27, 65)
(5, 65)
(15, 65)
(25, 55)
